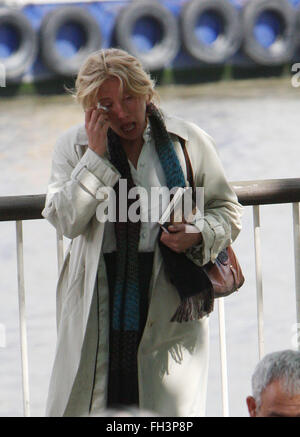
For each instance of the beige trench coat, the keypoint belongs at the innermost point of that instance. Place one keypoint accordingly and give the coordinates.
(172, 357)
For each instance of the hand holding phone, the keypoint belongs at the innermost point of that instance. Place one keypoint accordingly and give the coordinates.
(96, 125)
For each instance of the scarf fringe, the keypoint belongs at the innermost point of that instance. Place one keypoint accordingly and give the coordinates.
(192, 308)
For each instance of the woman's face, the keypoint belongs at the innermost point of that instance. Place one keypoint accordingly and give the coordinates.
(126, 112)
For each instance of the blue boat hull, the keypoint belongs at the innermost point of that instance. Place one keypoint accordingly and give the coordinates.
(196, 46)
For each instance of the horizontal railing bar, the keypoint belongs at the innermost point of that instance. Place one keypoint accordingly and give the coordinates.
(22, 207)
(268, 191)
(250, 193)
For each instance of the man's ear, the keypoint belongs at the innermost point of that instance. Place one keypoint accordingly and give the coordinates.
(251, 403)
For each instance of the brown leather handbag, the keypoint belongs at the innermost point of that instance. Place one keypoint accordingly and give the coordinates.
(225, 274)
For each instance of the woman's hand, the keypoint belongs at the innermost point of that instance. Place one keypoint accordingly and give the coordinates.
(96, 125)
(181, 237)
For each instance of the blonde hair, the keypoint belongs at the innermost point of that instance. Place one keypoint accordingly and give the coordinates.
(107, 63)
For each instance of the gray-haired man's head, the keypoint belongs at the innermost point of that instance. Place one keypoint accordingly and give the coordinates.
(276, 386)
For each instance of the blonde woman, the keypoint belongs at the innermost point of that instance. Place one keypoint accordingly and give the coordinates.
(118, 341)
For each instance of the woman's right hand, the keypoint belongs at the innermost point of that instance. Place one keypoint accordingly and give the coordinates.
(96, 125)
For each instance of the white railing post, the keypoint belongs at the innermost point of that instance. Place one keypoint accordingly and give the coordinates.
(223, 356)
(22, 318)
(259, 286)
(296, 228)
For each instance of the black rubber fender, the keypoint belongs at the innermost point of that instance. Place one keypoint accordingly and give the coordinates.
(163, 53)
(226, 44)
(282, 50)
(50, 26)
(19, 61)
(297, 42)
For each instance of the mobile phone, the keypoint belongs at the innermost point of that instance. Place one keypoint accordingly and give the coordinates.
(166, 218)
(99, 106)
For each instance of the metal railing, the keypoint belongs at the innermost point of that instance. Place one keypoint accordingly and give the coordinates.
(250, 193)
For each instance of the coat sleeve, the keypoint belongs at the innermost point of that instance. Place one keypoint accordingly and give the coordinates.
(220, 223)
(76, 186)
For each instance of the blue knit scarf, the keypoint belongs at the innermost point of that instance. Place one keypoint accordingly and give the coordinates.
(126, 326)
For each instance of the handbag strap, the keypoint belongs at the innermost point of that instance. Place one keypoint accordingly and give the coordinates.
(189, 168)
